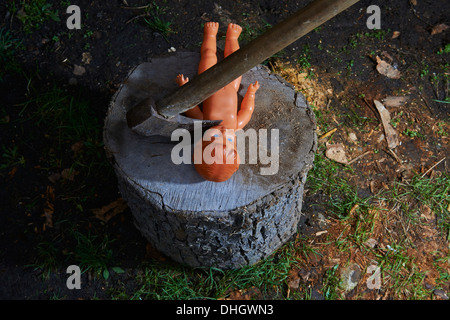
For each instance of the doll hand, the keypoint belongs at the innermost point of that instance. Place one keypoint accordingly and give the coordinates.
(252, 88)
(181, 80)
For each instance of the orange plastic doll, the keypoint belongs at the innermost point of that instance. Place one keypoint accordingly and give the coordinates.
(223, 105)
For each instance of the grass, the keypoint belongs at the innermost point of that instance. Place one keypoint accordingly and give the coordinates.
(445, 49)
(304, 61)
(330, 284)
(8, 48)
(155, 20)
(332, 179)
(250, 33)
(47, 259)
(11, 158)
(65, 118)
(401, 274)
(33, 13)
(357, 120)
(432, 192)
(413, 133)
(392, 215)
(69, 119)
(65, 121)
(93, 253)
(165, 282)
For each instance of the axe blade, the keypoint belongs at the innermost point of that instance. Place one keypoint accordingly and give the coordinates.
(144, 120)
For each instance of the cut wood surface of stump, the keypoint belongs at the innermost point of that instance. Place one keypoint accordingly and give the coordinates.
(202, 223)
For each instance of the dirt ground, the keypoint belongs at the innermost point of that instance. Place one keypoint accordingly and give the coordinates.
(335, 66)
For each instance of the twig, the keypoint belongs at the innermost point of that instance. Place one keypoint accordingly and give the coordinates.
(391, 152)
(417, 16)
(137, 17)
(377, 114)
(426, 102)
(434, 166)
(137, 8)
(359, 157)
(329, 133)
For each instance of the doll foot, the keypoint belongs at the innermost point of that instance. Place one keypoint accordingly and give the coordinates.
(181, 80)
(233, 31)
(211, 28)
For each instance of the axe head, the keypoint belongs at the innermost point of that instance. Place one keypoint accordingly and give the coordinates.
(144, 120)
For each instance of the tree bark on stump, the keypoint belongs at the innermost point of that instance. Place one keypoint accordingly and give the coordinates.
(202, 223)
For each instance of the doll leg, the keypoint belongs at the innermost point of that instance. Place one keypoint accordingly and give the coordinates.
(248, 104)
(232, 45)
(195, 112)
(208, 49)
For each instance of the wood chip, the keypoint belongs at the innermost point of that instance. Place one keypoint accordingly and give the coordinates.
(353, 210)
(387, 70)
(69, 174)
(78, 70)
(86, 58)
(439, 28)
(395, 34)
(54, 177)
(391, 134)
(107, 212)
(371, 243)
(360, 156)
(329, 133)
(336, 152)
(393, 101)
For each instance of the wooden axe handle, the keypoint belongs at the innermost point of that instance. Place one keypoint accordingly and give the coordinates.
(274, 40)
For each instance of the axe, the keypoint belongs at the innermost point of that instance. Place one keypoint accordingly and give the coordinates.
(161, 117)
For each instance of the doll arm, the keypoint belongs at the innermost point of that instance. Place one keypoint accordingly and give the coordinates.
(195, 112)
(245, 113)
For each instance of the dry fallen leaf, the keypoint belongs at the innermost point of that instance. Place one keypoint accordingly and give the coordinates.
(105, 213)
(387, 70)
(439, 28)
(393, 101)
(353, 210)
(395, 34)
(78, 70)
(12, 172)
(54, 177)
(371, 242)
(246, 294)
(77, 146)
(391, 134)
(86, 58)
(427, 213)
(69, 174)
(293, 279)
(336, 152)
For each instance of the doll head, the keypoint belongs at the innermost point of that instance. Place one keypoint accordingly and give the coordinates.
(219, 157)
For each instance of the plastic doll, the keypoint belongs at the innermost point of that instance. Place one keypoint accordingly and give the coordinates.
(223, 105)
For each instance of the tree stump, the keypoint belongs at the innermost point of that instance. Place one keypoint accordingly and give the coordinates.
(202, 223)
